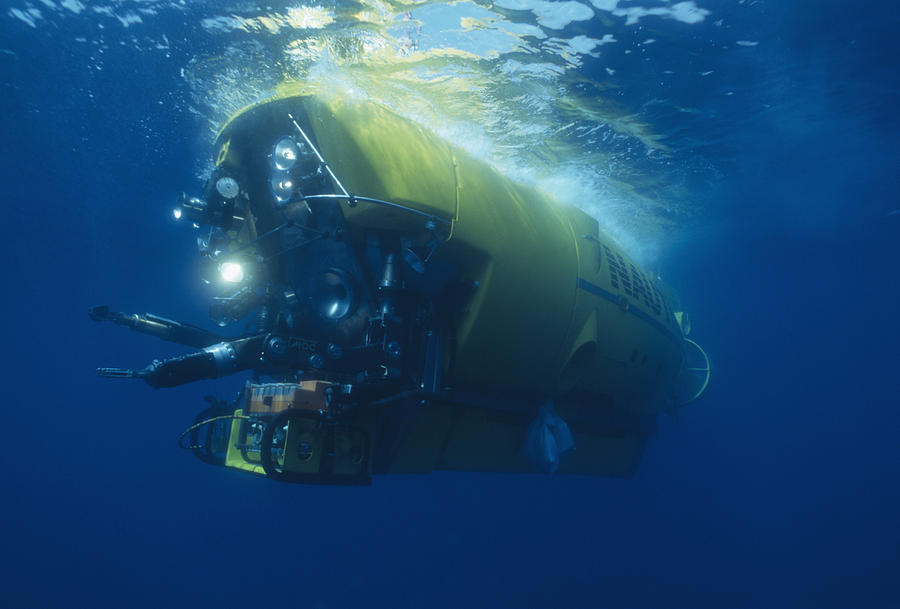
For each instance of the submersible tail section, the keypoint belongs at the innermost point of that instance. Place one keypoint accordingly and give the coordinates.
(415, 310)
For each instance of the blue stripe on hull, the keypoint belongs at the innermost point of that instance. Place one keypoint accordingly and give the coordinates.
(595, 289)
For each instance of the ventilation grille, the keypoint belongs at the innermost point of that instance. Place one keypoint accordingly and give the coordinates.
(634, 283)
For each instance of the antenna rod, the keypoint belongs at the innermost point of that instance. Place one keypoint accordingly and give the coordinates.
(321, 159)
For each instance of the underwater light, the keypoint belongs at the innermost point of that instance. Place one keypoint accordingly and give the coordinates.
(232, 272)
(285, 153)
(192, 208)
(282, 185)
(228, 187)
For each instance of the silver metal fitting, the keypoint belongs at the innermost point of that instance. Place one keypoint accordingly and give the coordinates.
(225, 357)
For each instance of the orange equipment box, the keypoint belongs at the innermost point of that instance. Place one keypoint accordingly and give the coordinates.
(270, 398)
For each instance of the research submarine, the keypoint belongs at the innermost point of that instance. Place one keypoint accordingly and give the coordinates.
(408, 308)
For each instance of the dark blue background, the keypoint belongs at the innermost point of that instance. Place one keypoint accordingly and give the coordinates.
(779, 489)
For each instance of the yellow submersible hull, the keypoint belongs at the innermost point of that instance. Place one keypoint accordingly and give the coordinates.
(469, 323)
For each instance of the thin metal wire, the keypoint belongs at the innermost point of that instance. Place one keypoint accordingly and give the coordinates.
(201, 424)
(293, 247)
(288, 224)
(319, 156)
(353, 198)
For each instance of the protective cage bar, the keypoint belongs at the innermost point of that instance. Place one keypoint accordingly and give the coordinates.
(329, 453)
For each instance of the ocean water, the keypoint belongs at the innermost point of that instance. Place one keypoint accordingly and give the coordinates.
(746, 151)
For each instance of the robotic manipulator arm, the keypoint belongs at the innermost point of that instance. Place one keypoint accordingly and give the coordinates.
(265, 351)
(216, 359)
(160, 327)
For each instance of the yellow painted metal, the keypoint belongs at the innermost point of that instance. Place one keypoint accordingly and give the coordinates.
(557, 306)
(234, 458)
(528, 317)
(518, 246)
(376, 155)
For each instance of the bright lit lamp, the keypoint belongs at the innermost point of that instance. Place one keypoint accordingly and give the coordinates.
(232, 272)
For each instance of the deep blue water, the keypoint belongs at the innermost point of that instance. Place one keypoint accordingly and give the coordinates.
(778, 489)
